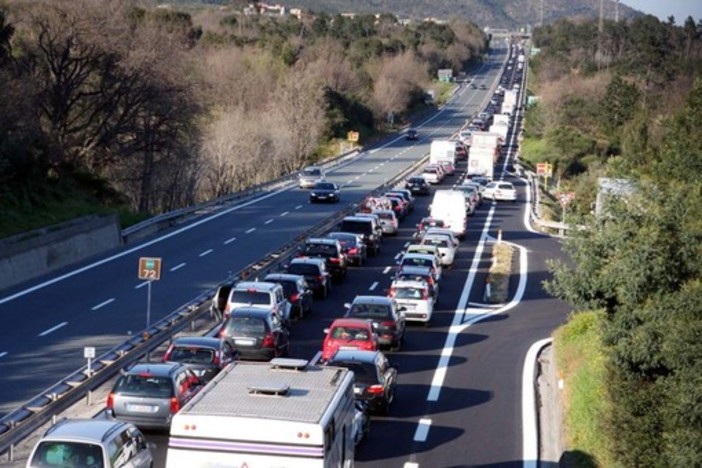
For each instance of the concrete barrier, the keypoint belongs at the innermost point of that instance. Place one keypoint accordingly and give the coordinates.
(32, 254)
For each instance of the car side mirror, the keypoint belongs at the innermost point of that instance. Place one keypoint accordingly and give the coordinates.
(347, 305)
(326, 330)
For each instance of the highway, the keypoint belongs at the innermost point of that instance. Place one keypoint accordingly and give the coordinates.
(459, 397)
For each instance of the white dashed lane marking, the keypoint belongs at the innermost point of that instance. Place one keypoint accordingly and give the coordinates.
(250, 230)
(373, 286)
(103, 304)
(420, 435)
(53, 329)
(206, 252)
(229, 241)
(179, 266)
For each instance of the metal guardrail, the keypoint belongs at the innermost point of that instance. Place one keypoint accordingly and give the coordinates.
(39, 410)
(171, 218)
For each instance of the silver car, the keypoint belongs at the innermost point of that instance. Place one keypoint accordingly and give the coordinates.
(103, 443)
(309, 176)
(388, 222)
(149, 394)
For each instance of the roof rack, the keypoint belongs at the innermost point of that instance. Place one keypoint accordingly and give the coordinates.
(269, 388)
(289, 363)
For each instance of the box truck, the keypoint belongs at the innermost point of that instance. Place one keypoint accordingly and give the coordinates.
(481, 161)
(285, 412)
(450, 207)
(442, 150)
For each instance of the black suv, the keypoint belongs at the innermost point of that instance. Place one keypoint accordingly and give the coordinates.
(365, 227)
(417, 185)
(315, 272)
(331, 251)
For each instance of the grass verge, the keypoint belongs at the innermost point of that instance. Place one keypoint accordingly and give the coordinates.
(500, 272)
(581, 363)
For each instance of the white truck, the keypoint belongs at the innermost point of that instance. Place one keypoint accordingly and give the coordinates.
(485, 139)
(481, 161)
(509, 102)
(500, 129)
(442, 150)
(450, 207)
(501, 118)
(279, 413)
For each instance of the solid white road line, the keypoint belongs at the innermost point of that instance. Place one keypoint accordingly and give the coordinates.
(420, 435)
(373, 286)
(53, 329)
(178, 267)
(229, 241)
(530, 429)
(103, 304)
(206, 252)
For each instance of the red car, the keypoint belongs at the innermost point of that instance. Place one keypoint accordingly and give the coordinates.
(348, 333)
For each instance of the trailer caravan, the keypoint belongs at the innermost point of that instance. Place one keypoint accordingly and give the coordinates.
(285, 412)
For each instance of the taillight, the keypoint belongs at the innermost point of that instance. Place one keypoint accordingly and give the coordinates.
(222, 333)
(425, 294)
(353, 251)
(268, 340)
(375, 390)
(320, 278)
(387, 324)
(392, 292)
(227, 310)
(369, 346)
(294, 297)
(335, 260)
(175, 405)
(110, 401)
(167, 354)
(216, 359)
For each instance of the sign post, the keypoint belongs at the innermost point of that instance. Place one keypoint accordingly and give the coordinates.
(565, 198)
(149, 270)
(544, 169)
(89, 354)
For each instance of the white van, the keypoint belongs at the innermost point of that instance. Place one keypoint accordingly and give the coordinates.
(450, 206)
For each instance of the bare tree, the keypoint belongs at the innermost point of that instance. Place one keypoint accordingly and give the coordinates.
(395, 80)
(326, 60)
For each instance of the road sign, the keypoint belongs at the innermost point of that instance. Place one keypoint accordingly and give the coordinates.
(352, 136)
(565, 198)
(150, 268)
(89, 352)
(544, 168)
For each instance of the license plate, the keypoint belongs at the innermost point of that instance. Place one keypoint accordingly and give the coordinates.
(244, 342)
(141, 408)
(357, 391)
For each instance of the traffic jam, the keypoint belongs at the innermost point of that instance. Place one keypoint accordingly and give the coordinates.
(257, 316)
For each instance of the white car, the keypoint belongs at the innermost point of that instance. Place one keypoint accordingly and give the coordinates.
(432, 175)
(443, 232)
(422, 260)
(388, 221)
(445, 246)
(309, 176)
(503, 191)
(415, 297)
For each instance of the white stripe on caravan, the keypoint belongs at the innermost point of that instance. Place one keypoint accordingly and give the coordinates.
(245, 447)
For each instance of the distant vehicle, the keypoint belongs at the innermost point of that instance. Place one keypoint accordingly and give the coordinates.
(364, 227)
(405, 194)
(352, 246)
(296, 290)
(282, 413)
(309, 176)
(416, 297)
(432, 175)
(315, 272)
(374, 379)
(483, 86)
(256, 333)
(418, 185)
(412, 134)
(205, 355)
(149, 394)
(500, 191)
(330, 251)
(427, 222)
(387, 318)
(104, 443)
(347, 333)
(324, 191)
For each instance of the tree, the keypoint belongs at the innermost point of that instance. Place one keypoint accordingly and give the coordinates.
(619, 103)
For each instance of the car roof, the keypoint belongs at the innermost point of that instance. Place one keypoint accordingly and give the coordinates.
(256, 285)
(256, 312)
(158, 369)
(357, 355)
(308, 260)
(372, 300)
(384, 212)
(321, 240)
(343, 234)
(197, 341)
(83, 429)
(440, 231)
(356, 218)
(350, 322)
(414, 270)
(283, 277)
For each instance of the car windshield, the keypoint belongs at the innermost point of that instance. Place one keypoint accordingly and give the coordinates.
(417, 180)
(324, 186)
(369, 311)
(320, 249)
(192, 355)
(408, 293)
(58, 453)
(303, 269)
(364, 227)
(414, 261)
(145, 385)
(346, 241)
(349, 333)
(289, 287)
(245, 326)
(312, 172)
(443, 242)
(250, 297)
(364, 373)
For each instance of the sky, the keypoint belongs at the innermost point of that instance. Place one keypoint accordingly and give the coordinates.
(680, 9)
